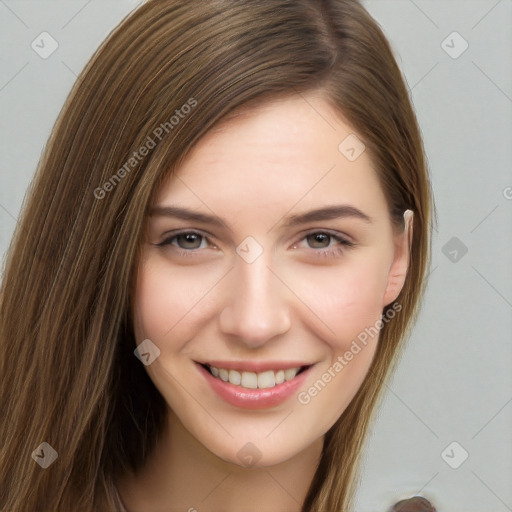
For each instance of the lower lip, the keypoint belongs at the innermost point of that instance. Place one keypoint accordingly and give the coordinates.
(254, 398)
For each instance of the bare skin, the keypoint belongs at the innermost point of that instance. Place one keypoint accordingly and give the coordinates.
(195, 479)
(316, 286)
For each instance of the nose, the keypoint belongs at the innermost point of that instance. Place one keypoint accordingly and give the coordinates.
(256, 309)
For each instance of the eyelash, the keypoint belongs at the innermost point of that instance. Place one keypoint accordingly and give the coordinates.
(338, 250)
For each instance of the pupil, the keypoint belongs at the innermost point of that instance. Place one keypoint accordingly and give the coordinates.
(189, 241)
(318, 240)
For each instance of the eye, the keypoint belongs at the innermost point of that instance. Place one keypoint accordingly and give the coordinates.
(186, 242)
(325, 243)
(319, 240)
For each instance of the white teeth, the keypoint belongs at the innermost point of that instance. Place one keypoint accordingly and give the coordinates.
(252, 380)
(235, 377)
(266, 379)
(290, 373)
(249, 380)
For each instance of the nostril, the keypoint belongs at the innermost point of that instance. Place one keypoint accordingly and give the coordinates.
(414, 504)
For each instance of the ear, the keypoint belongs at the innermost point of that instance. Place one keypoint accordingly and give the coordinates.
(398, 270)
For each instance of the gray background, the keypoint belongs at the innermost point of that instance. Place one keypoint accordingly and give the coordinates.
(454, 383)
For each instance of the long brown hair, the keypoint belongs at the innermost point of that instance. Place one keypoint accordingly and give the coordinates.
(164, 77)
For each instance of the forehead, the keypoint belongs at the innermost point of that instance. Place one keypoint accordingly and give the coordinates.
(286, 153)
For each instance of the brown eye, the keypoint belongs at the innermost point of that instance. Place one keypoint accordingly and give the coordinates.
(319, 240)
(188, 241)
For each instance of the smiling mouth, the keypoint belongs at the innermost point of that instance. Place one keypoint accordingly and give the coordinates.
(255, 380)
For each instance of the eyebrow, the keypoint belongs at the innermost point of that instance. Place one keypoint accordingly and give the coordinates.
(319, 214)
(185, 214)
(327, 213)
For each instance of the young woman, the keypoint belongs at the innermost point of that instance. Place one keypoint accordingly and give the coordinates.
(218, 261)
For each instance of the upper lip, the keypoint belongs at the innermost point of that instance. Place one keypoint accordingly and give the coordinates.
(255, 366)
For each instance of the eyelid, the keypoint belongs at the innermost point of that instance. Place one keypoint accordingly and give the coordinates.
(342, 237)
(344, 241)
(169, 235)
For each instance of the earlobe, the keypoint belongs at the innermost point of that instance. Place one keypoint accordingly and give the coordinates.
(400, 265)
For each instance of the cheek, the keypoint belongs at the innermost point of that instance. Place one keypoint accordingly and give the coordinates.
(170, 302)
(349, 302)
(346, 298)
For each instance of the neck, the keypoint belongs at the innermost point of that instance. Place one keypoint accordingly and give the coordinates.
(182, 475)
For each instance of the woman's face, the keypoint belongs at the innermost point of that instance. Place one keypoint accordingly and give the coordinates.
(270, 252)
